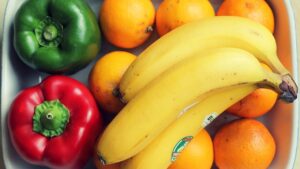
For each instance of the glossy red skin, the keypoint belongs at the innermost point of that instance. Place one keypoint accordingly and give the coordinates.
(74, 147)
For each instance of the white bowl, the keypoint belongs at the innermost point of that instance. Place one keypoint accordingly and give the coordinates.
(282, 121)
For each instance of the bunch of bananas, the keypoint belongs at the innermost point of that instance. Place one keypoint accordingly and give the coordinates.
(183, 81)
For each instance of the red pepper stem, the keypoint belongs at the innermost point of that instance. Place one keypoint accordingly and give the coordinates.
(50, 118)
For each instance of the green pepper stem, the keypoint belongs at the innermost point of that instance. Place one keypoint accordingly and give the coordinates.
(50, 118)
(50, 32)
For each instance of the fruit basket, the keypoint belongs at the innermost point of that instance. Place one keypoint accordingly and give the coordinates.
(282, 122)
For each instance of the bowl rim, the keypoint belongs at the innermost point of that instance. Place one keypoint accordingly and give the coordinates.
(295, 68)
(294, 50)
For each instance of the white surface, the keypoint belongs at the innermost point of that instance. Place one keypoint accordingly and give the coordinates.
(282, 121)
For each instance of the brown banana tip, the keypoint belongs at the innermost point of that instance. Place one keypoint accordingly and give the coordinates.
(102, 160)
(290, 81)
(289, 93)
(122, 100)
(117, 93)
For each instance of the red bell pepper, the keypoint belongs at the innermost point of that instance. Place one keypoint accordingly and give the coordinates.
(55, 123)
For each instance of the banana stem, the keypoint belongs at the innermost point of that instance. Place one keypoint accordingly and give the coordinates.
(283, 84)
(290, 81)
(288, 93)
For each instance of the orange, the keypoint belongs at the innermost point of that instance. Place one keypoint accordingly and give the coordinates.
(255, 104)
(257, 10)
(198, 154)
(244, 144)
(127, 23)
(105, 77)
(173, 13)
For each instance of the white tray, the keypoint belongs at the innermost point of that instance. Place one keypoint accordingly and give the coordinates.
(282, 121)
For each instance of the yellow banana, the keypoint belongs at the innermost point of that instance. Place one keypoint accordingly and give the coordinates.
(164, 149)
(198, 37)
(158, 104)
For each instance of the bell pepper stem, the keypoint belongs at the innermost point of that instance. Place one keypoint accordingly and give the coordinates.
(50, 118)
(50, 32)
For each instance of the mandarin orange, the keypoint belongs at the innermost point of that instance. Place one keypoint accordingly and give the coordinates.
(127, 23)
(257, 10)
(198, 154)
(105, 77)
(244, 144)
(173, 13)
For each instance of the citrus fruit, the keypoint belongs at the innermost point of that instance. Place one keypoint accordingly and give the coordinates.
(257, 10)
(127, 23)
(105, 77)
(198, 154)
(255, 104)
(173, 13)
(244, 144)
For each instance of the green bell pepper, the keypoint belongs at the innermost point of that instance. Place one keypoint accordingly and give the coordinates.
(56, 36)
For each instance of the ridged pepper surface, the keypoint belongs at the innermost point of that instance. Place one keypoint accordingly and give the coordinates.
(55, 123)
(56, 36)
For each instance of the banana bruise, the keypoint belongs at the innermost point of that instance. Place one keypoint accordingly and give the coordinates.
(158, 104)
(162, 151)
(198, 37)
